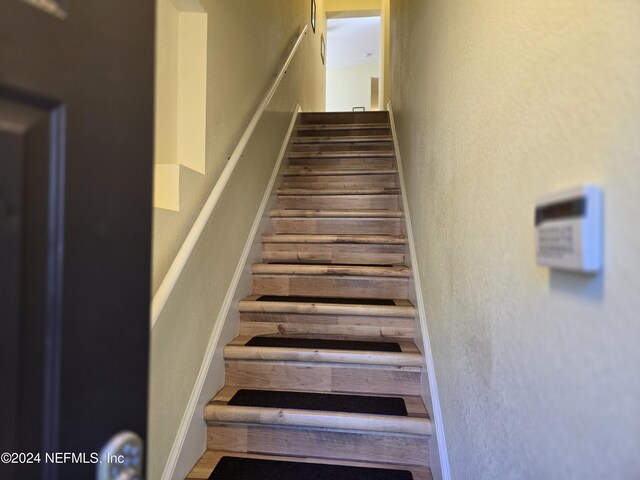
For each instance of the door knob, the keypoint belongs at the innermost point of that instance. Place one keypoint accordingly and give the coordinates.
(122, 458)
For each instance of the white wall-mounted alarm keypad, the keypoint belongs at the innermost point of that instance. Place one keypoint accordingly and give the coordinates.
(569, 229)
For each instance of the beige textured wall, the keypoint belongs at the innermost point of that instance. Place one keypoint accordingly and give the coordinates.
(248, 42)
(192, 87)
(166, 84)
(385, 53)
(349, 87)
(351, 5)
(497, 102)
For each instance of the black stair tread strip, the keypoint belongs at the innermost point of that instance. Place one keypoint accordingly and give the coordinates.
(323, 344)
(239, 468)
(341, 301)
(325, 402)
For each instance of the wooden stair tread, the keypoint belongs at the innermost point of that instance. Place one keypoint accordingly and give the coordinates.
(344, 139)
(207, 463)
(327, 147)
(332, 171)
(402, 308)
(343, 154)
(344, 126)
(339, 185)
(333, 254)
(339, 239)
(338, 201)
(414, 404)
(337, 270)
(346, 116)
(338, 191)
(289, 212)
(343, 163)
(409, 356)
(341, 167)
(406, 345)
(415, 423)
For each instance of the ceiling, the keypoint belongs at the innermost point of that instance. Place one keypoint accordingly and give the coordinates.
(349, 40)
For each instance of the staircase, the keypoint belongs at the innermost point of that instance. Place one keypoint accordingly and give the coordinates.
(325, 377)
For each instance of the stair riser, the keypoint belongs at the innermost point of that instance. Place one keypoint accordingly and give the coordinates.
(334, 253)
(337, 170)
(367, 271)
(292, 324)
(341, 154)
(339, 181)
(346, 226)
(323, 378)
(342, 146)
(344, 162)
(339, 202)
(400, 449)
(333, 239)
(320, 138)
(334, 258)
(356, 132)
(331, 286)
(366, 332)
(343, 118)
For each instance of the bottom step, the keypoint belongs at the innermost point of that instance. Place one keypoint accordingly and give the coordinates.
(224, 466)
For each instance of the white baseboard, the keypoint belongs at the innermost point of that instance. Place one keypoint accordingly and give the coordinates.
(438, 456)
(190, 441)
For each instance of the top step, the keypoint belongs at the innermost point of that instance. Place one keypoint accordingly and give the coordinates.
(353, 130)
(328, 118)
(343, 130)
(348, 126)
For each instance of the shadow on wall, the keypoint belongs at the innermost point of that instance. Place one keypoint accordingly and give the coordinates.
(590, 288)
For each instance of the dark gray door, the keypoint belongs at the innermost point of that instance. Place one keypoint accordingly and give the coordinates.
(76, 166)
